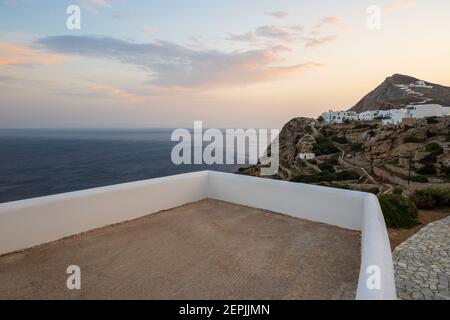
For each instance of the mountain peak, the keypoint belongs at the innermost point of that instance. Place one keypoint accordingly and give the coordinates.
(399, 90)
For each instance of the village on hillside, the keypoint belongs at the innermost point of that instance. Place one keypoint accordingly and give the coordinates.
(388, 117)
(394, 116)
(380, 151)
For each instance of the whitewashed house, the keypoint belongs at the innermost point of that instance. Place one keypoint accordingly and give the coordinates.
(366, 116)
(426, 110)
(389, 117)
(332, 117)
(305, 146)
(395, 117)
(306, 156)
(420, 84)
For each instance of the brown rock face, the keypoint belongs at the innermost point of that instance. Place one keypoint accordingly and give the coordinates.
(293, 132)
(391, 95)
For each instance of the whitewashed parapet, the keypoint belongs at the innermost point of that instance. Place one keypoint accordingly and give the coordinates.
(27, 223)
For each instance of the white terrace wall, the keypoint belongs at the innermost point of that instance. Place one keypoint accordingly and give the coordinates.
(27, 223)
(332, 206)
(24, 224)
(375, 252)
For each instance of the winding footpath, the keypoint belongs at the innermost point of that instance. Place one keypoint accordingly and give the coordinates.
(422, 264)
(387, 187)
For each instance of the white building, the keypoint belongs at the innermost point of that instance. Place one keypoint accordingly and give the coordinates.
(366, 116)
(395, 117)
(389, 117)
(306, 156)
(427, 110)
(331, 117)
(420, 84)
(446, 111)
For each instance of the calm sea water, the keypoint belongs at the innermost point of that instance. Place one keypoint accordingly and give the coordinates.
(36, 163)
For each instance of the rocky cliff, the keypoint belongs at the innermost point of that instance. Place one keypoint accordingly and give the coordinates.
(399, 91)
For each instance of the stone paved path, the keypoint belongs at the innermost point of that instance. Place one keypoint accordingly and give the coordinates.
(422, 264)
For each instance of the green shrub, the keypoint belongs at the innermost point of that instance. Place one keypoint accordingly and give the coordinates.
(432, 198)
(434, 147)
(398, 211)
(339, 186)
(432, 120)
(324, 132)
(324, 146)
(327, 177)
(427, 170)
(398, 191)
(448, 137)
(431, 134)
(429, 159)
(333, 161)
(435, 150)
(326, 166)
(445, 171)
(340, 140)
(419, 179)
(366, 126)
(412, 139)
(373, 190)
(348, 175)
(356, 147)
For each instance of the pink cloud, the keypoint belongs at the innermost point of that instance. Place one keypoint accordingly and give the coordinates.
(115, 93)
(278, 14)
(13, 54)
(327, 21)
(316, 42)
(398, 6)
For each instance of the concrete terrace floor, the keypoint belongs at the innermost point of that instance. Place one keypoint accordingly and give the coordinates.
(204, 250)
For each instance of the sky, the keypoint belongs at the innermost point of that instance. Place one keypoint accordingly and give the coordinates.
(228, 63)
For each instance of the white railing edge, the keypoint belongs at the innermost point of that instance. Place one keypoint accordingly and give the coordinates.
(8, 206)
(376, 256)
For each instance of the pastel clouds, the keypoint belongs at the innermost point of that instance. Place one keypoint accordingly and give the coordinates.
(94, 5)
(327, 21)
(172, 65)
(319, 41)
(13, 54)
(115, 93)
(290, 35)
(278, 14)
(398, 6)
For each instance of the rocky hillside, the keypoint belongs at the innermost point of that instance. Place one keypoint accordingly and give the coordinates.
(290, 136)
(347, 153)
(399, 90)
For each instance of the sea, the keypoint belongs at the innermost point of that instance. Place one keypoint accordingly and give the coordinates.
(38, 162)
